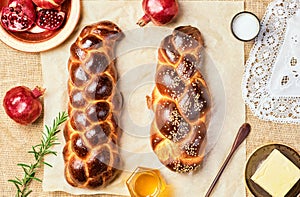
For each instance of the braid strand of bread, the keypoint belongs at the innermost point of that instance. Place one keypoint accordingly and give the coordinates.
(92, 133)
(180, 101)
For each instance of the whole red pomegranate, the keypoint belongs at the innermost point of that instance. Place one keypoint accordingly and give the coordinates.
(48, 4)
(22, 104)
(19, 15)
(159, 12)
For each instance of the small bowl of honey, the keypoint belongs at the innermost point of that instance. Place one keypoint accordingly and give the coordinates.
(145, 182)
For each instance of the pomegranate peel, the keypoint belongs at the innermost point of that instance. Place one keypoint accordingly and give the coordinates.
(19, 15)
(48, 4)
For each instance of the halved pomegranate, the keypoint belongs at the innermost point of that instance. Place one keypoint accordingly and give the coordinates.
(19, 15)
(50, 19)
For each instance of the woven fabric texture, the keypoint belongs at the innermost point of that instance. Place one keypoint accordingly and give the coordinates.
(20, 68)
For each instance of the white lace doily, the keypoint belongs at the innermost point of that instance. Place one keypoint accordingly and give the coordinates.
(271, 82)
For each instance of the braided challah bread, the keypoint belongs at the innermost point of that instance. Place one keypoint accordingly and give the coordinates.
(92, 133)
(180, 101)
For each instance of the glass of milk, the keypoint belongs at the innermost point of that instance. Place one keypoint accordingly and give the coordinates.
(245, 26)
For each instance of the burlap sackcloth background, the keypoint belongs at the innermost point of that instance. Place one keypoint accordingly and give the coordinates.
(19, 68)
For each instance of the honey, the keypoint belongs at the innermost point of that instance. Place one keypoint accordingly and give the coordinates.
(145, 182)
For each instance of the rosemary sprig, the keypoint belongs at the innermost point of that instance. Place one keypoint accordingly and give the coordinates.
(39, 151)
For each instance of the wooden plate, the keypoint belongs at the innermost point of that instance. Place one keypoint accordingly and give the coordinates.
(258, 157)
(37, 42)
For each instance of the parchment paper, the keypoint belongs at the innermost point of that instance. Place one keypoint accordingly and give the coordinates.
(223, 68)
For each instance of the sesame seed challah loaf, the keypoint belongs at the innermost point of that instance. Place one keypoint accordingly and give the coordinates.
(180, 101)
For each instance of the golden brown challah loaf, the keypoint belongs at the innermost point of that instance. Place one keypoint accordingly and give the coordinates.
(180, 101)
(92, 133)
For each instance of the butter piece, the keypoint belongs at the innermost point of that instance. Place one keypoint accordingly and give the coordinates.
(277, 174)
